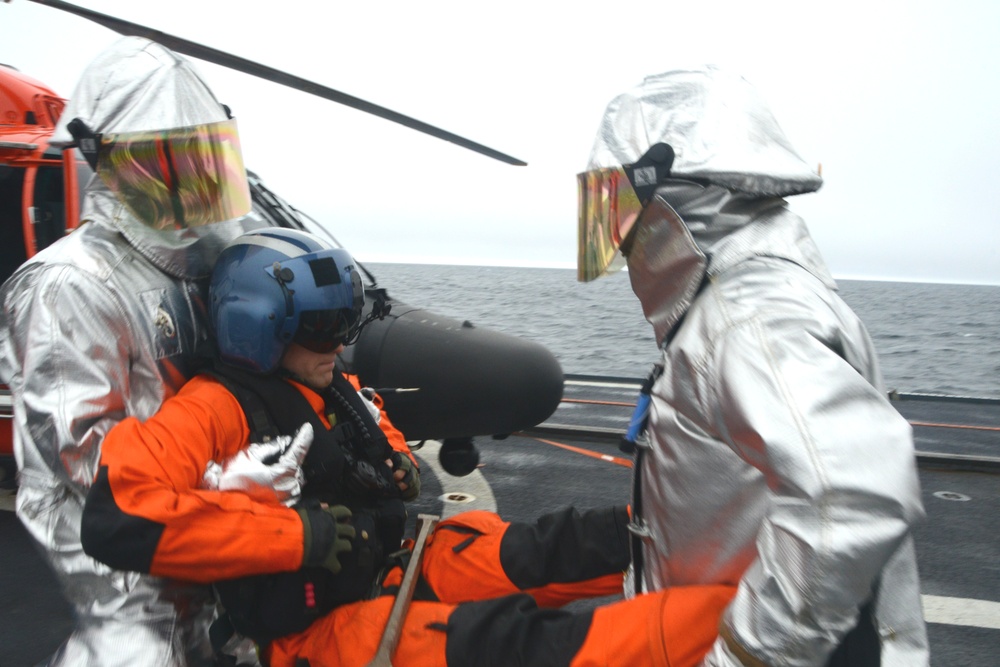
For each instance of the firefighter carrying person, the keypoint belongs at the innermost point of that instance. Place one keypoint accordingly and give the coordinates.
(184, 495)
(108, 321)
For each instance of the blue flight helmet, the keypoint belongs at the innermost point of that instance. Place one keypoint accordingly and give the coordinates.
(276, 286)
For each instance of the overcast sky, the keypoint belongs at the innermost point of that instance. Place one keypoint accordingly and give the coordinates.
(899, 102)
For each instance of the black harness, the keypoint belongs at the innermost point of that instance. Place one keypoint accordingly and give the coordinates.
(344, 466)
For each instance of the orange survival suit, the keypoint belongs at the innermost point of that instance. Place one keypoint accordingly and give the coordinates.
(147, 513)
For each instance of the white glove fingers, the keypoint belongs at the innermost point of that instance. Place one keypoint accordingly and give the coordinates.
(297, 450)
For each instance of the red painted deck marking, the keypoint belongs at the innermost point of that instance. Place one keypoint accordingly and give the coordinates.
(586, 452)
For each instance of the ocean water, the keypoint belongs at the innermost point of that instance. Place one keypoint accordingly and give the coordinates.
(931, 338)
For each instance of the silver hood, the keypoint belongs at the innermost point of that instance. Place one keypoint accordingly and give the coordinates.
(138, 85)
(719, 127)
(732, 164)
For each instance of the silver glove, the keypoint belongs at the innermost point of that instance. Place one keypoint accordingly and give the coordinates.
(247, 471)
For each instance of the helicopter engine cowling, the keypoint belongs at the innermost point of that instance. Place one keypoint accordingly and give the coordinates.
(441, 378)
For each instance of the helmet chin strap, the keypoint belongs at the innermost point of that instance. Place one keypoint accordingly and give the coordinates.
(380, 308)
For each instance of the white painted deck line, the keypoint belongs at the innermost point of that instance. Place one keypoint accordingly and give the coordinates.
(614, 385)
(961, 611)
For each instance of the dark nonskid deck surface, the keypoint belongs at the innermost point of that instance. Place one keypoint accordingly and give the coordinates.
(525, 475)
(943, 426)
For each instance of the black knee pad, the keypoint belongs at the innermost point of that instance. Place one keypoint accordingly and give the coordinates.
(512, 630)
(566, 546)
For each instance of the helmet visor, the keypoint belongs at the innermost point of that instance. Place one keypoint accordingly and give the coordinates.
(179, 178)
(323, 331)
(607, 208)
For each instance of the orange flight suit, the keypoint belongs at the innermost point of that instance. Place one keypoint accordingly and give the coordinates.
(476, 567)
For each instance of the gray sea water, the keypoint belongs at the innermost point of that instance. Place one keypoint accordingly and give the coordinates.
(931, 338)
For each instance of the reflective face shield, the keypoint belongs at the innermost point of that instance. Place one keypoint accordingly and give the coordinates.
(609, 202)
(174, 179)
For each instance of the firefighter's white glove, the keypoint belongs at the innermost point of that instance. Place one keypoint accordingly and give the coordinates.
(265, 471)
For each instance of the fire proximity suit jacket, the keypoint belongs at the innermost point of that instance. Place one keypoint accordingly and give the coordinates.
(774, 459)
(103, 325)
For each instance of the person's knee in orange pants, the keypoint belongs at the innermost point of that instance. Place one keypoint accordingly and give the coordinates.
(674, 627)
(563, 556)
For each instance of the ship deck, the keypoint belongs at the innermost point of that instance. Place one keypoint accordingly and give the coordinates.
(573, 459)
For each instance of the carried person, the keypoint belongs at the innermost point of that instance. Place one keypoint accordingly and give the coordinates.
(280, 480)
(282, 306)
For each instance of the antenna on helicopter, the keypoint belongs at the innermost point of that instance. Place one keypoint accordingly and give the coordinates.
(277, 76)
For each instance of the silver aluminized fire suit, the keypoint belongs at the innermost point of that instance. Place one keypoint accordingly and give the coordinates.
(773, 458)
(104, 324)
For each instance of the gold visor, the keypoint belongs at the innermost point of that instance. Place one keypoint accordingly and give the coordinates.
(173, 179)
(608, 208)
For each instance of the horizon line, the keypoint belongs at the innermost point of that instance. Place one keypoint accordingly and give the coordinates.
(523, 264)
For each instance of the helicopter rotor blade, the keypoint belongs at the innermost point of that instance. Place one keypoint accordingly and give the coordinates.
(239, 64)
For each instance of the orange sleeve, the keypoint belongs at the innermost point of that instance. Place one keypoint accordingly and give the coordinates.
(154, 469)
